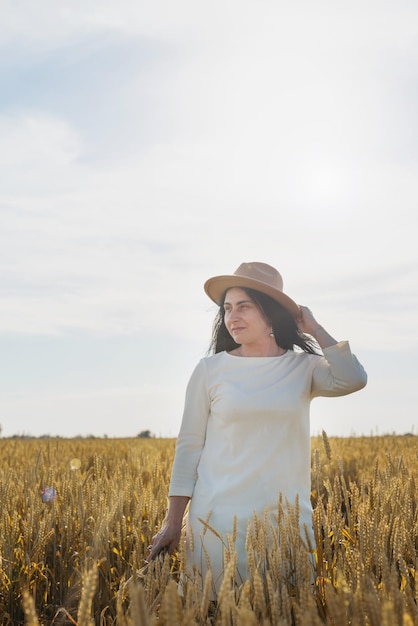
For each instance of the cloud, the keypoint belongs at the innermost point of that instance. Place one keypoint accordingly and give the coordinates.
(36, 141)
(146, 147)
(265, 140)
(51, 26)
(96, 243)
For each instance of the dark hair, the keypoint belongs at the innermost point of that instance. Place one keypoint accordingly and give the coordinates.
(283, 325)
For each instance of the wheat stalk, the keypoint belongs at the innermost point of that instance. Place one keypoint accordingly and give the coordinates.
(90, 580)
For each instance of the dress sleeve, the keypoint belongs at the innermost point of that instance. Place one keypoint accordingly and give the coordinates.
(338, 372)
(192, 434)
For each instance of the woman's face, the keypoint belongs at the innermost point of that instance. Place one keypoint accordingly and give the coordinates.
(243, 319)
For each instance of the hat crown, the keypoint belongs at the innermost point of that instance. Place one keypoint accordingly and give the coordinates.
(261, 272)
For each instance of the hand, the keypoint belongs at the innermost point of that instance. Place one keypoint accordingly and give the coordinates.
(306, 322)
(168, 537)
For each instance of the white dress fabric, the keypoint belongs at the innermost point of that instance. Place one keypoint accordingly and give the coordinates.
(245, 438)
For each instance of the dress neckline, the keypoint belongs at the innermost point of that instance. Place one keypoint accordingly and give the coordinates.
(243, 358)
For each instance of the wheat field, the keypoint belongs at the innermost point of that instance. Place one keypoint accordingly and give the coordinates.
(77, 516)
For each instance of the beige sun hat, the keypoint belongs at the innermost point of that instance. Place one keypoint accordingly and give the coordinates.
(259, 276)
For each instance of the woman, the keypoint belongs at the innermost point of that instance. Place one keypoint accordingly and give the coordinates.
(245, 435)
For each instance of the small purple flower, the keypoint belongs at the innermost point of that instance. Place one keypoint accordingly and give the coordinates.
(49, 494)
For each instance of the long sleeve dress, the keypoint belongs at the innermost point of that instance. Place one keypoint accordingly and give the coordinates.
(245, 438)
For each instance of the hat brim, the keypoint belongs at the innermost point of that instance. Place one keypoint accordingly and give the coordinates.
(215, 288)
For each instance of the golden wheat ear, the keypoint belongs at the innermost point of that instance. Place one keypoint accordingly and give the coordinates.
(90, 581)
(28, 603)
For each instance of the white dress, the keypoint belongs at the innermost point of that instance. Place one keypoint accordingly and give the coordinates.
(245, 438)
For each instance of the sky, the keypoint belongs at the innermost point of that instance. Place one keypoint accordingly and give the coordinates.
(145, 147)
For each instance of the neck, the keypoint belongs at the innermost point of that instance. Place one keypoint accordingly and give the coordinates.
(271, 349)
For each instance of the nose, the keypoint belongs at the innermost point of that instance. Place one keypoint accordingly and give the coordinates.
(234, 320)
(232, 314)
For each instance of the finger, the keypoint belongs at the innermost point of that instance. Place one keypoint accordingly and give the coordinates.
(306, 309)
(153, 553)
(153, 550)
(156, 552)
(156, 548)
